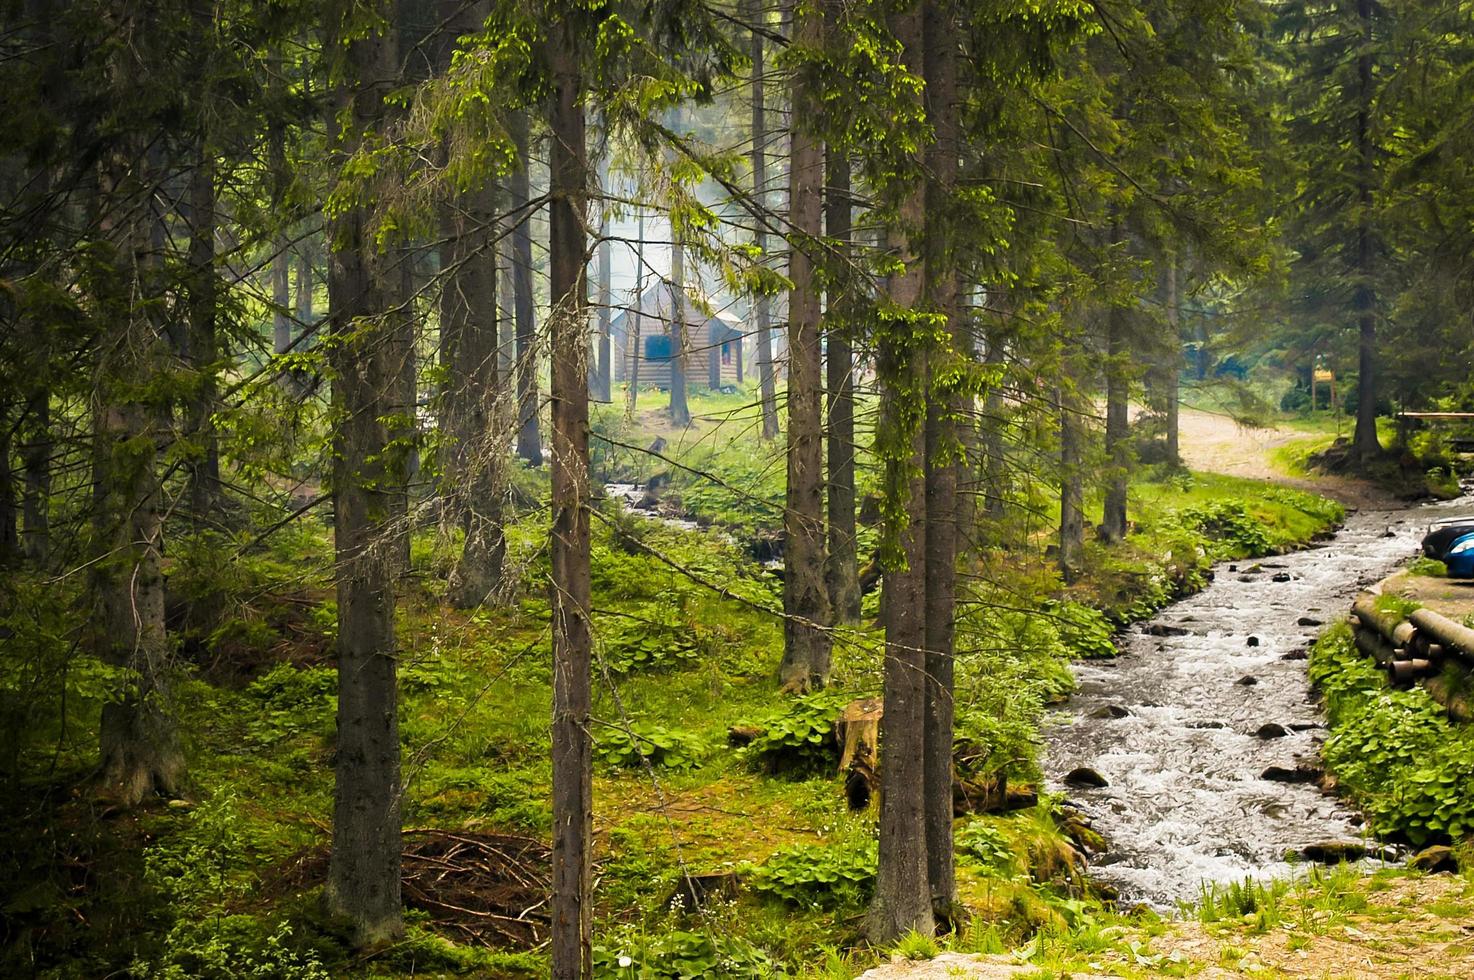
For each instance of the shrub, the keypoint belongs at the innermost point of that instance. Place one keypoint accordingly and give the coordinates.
(680, 955)
(232, 947)
(1230, 525)
(821, 876)
(669, 748)
(984, 844)
(800, 738)
(1395, 752)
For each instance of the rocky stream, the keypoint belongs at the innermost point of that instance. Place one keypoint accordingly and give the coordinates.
(1195, 752)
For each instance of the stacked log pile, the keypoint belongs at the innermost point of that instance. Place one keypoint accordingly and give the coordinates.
(1426, 648)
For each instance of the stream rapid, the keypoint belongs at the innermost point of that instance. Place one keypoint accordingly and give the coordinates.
(1185, 801)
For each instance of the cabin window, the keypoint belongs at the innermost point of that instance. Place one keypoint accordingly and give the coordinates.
(726, 355)
(657, 347)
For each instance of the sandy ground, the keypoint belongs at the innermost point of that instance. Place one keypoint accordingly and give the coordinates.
(1217, 444)
(1451, 596)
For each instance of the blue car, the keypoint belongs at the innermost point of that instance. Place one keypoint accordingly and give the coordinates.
(1459, 559)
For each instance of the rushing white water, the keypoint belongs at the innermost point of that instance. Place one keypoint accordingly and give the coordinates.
(1186, 801)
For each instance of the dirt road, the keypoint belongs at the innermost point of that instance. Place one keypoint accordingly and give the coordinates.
(1216, 443)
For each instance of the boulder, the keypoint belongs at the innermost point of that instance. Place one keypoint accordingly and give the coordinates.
(1110, 711)
(1271, 730)
(1334, 851)
(1437, 859)
(1299, 774)
(1248, 680)
(1301, 654)
(1162, 629)
(1309, 621)
(1085, 778)
(1252, 641)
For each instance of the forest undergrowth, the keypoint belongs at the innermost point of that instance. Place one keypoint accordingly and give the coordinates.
(713, 859)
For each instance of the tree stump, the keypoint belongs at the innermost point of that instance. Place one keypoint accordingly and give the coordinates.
(858, 732)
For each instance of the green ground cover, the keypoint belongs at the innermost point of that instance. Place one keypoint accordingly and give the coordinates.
(221, 884)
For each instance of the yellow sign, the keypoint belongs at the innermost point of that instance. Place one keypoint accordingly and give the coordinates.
(1321, 374)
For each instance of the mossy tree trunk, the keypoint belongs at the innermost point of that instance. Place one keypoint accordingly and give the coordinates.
(902, 900)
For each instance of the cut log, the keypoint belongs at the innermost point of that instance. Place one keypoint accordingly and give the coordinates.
(1371, 643)
(1456, 638)
(1403, 633)
(1451, 692)
(1373, 618)
(1407, 671)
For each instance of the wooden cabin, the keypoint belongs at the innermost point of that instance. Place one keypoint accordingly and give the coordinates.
(644, 343)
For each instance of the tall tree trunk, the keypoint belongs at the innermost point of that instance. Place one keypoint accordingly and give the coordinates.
(993, 466)
(472, 487)
(636, 323)
(571, 940)
(902, 900)
(35, 457)
(842, 569)
(204, 343)
(680, 411)
(278, 179)
(363, 871)
(1071, 484)
(506, 316)
(529, 438)
(806, 641)
(1364, 439)
(761, 312)
(942, 409)
(1173, 369)
(1117, 432)
(10, 552)
(603, 371)
(139, 751)
(306, 255)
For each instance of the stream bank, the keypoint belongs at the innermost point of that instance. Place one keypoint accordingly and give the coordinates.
(1204, 732)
